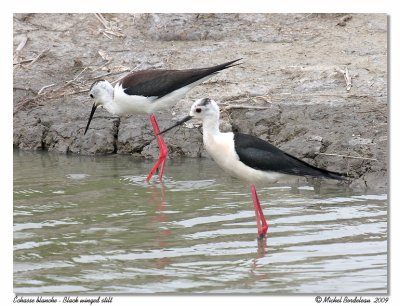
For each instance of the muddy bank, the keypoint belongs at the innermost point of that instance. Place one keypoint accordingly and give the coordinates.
(290, 90)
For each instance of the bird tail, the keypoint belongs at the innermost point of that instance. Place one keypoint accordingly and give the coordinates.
(306, 169)
(225, 65)
(330, 175)
(201, 74)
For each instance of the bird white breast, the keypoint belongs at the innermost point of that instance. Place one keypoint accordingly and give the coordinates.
(221, 147)
(131, 104)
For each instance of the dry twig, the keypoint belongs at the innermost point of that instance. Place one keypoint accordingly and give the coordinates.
(44, 87)
(18, 50)
(245, 107)
(23, 61)
(79, 74)
(343, 20)
(109, 28)
(347, 77)
(347, 156)
(100, 17)
(37, 57)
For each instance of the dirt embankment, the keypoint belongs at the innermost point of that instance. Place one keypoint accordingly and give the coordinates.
(314, 85)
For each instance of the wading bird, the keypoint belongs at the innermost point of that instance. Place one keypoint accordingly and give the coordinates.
(148, 91)
(248, 157)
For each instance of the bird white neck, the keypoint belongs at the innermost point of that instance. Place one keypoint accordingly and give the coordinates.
(106, 98)
(111, 106)
(211, 126)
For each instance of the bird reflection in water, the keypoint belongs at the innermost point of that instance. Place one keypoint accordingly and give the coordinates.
(158, 199)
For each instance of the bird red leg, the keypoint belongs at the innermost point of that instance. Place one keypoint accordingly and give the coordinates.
(163, 151)
(261, 222)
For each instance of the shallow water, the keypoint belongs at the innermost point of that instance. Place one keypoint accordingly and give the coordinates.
(92, 225)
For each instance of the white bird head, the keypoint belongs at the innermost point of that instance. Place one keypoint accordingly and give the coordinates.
(101, 92)
(204, 108)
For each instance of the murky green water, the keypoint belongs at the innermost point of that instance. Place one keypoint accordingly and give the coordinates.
(92, 225)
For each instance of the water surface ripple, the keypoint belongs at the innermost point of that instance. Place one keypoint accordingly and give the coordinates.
(93, 225)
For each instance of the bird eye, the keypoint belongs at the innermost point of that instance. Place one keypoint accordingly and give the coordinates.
(91, 96)
(198, 110)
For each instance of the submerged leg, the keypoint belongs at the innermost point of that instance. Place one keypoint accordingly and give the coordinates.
(262, 225)
(163, 151)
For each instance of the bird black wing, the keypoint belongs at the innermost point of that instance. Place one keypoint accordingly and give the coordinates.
(261, 155)
(158, 83)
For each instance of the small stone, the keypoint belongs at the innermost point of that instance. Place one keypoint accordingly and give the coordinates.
(315, 138)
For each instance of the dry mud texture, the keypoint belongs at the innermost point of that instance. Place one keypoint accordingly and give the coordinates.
(290, 90)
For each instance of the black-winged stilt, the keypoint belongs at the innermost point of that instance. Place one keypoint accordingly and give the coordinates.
(248, 157)
(148, 91)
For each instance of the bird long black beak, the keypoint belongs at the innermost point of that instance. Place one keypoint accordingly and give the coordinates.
(90, 117)
(180, 122)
